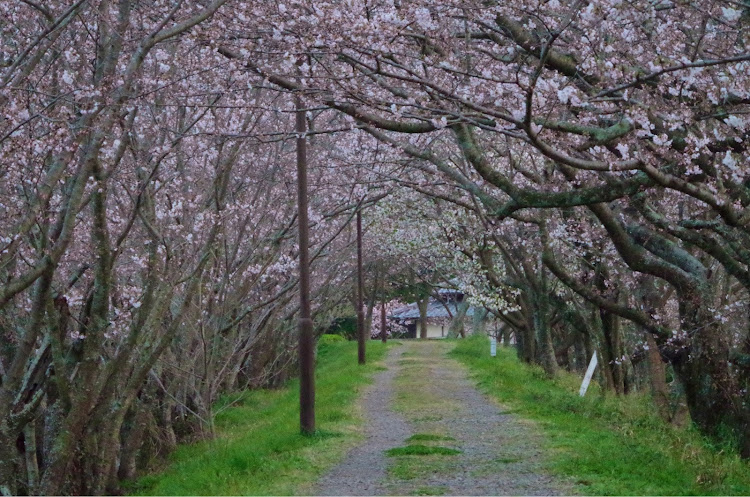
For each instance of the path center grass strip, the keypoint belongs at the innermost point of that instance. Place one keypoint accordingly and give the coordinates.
(421, 450)
(259, 449)
(606, 445)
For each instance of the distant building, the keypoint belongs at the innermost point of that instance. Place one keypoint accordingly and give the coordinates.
(441, 311)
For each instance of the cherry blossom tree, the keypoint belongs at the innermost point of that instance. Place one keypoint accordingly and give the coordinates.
(148, 223)
(578, 168)
(633, 111)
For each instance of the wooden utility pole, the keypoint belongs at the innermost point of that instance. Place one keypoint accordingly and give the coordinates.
(360, 291)
(305, 325)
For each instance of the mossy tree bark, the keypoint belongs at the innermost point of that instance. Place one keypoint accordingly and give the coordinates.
(457, 327)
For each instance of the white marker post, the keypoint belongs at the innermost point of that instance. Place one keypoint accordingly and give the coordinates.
(589, 374)
(493, 346)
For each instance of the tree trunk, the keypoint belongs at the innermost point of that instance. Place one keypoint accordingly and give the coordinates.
(526, 343)
(545, 351)
(478, 321)
(657, 373)
(526, 340)
(370, 312)
(422, 305)
(714, 397)
(457, 327)
(579, 347)
(32, 464)
(8, 473)
(612, 345)
(383, 323)
(132, 444)
(506, 333)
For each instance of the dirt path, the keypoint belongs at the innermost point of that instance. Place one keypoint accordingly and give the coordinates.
(426, 395)
(364, 468)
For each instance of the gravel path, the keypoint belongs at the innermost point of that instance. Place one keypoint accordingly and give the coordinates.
(364, 468)
(423, 391)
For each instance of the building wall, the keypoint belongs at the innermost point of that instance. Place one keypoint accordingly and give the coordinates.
(436, 331)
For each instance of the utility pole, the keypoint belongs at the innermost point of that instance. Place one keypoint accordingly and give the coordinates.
(360, 290)
(305, 324)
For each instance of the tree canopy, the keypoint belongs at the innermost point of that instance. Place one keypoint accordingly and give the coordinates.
(579, 168)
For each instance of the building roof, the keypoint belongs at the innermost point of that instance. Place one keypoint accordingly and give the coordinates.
(435, 309)
(448, 291)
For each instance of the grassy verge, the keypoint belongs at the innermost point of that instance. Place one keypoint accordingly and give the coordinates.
(606, 445)
(259, 449)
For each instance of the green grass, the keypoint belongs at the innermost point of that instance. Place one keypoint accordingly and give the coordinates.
(421, 450)
(429, 491)
(259, 449)
(406, 468)
(605, 444)
(427, 437)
